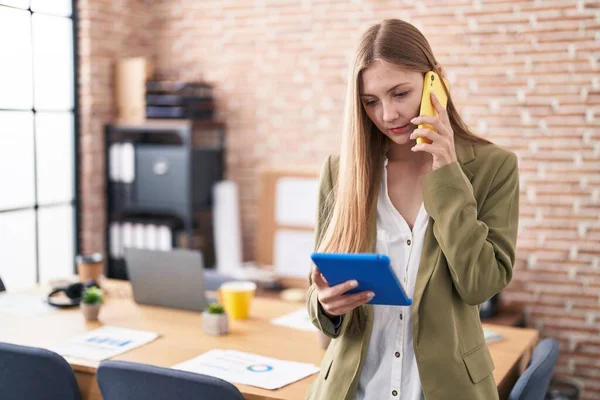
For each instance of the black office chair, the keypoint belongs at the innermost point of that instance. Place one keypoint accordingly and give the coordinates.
(533, 383)
(2, 288)
(120, 380)
(34, 373)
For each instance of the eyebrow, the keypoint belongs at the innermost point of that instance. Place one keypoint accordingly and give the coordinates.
(390, 90)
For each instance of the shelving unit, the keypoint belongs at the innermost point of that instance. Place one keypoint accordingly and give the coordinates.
(159, 172)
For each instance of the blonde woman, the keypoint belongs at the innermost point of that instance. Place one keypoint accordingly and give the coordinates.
(445, 213)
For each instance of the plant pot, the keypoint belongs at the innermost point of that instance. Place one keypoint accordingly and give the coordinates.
(215, 324)
(90, 311)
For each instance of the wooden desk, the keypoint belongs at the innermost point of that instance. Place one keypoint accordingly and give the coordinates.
(182, 338)
(509, 316)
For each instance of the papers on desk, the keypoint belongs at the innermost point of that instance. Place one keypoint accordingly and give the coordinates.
(297, 320)
(248, 369)
(24, 305)
(103, 343)
(491, 336)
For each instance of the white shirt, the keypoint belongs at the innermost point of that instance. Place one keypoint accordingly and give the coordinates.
(390, 370)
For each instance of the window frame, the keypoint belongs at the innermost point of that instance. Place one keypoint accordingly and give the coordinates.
(75, 202)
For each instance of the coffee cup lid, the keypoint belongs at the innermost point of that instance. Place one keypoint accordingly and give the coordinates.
(89, 258)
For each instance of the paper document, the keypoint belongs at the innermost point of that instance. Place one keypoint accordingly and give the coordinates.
(297, 320)
(296, 201)
(491, 336)
(291, 254)
(127, 163)
(151, 237)
(115, 239)
(139, 236)
(24, 305)
(248, 369)
(164, 238)
(114, 157)
(103, 343)
(127, 235)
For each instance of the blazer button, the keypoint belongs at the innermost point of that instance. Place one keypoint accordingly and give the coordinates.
(397, 354)
(408, 242)
(394, 393)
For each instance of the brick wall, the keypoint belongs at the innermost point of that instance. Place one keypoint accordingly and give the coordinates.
(524, 74)
(107, 30)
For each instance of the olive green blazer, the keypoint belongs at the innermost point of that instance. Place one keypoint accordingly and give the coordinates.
(467, 257)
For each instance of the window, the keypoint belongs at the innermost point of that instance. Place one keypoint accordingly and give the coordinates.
(38, 114)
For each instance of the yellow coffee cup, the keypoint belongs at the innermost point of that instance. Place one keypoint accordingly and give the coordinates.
(237, 298)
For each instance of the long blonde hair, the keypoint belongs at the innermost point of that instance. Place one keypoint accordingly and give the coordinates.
(363, 147)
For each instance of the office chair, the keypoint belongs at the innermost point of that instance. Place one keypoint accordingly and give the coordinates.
(34, 373)
(120, 380)
(2, 288)
(533, 383)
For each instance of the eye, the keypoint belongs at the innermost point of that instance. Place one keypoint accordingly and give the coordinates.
(401, 94)
(370, 102)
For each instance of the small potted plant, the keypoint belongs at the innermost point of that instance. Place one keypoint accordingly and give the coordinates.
(90, 303)
(214, 320)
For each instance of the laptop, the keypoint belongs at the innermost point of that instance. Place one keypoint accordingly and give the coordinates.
(172, 278)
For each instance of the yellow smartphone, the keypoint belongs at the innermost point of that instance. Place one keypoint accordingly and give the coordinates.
(431, 84)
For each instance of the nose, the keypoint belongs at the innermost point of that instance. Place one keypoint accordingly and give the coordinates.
(389, 113)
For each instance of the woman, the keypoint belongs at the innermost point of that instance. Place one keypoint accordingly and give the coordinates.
(446, 213)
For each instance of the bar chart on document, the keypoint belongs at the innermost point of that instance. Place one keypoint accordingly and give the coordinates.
(103, 343)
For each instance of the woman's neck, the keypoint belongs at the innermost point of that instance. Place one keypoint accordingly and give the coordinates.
(402, 154)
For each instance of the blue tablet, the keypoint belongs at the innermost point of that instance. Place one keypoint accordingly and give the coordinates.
(372, 271)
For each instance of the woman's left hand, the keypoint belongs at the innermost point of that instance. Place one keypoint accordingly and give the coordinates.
(442, 149)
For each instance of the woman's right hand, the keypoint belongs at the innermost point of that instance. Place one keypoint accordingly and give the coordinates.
(333, 300)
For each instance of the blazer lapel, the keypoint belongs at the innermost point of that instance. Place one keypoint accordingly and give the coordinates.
(429, 258)
(431, 250)
(465, 154)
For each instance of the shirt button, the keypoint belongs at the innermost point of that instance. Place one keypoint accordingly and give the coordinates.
(408, 242)
(400, 316)
(394, 393)
(397, 354)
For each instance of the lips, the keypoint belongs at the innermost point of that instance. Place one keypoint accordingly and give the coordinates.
(400, 129)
